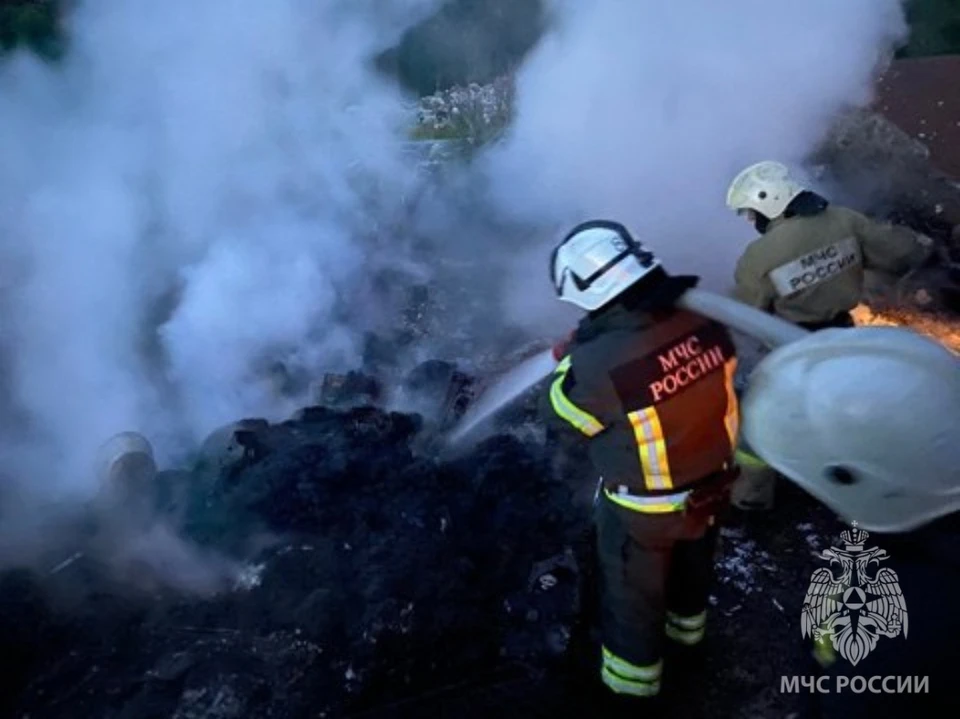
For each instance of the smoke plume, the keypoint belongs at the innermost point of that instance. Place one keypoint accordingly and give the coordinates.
(188, 200)
(191, 199)
(644, 111)
(202, 191)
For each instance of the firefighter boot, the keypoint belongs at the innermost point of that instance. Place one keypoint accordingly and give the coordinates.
(627, 707)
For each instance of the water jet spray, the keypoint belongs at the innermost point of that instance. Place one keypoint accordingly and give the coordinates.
(824, 399)
(770, 330)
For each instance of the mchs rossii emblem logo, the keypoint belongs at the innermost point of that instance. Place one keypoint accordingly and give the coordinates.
(854, 601)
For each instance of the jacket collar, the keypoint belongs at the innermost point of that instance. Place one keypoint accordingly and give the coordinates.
(637, 311)
(613, 318)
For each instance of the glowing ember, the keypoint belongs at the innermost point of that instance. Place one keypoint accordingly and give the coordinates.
(945, 331)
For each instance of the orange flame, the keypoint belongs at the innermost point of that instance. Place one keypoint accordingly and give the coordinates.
(941, 329)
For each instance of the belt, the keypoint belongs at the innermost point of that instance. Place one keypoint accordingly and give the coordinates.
(661, 503)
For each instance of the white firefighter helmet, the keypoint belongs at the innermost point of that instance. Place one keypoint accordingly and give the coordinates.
(765, 187)
(865, 419)
(597, 261)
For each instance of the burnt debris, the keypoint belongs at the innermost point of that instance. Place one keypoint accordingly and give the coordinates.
(329, 567)
(384, 574)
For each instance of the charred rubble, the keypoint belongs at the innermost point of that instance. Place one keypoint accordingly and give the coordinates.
(338, 566)
(361, 570)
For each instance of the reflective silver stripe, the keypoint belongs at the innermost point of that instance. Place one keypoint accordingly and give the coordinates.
(652, 447)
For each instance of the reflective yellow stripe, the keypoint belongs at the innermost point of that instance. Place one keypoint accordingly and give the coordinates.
(585, 422)
(686, 630)
(746, 459)
(688, 637)
(634, 672)
(697, 621)
(650, 505)
(626, 678)
(732, 418)
(652, 448)
(824, 653)
(629, 686)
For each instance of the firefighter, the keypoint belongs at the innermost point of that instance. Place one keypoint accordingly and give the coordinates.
(807, 265)
(649, 388)
(808, 268)
(127, 474)
(815, 420)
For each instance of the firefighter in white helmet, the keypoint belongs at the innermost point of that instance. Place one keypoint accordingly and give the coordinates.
(648, 388)
(807, 265)
(868, 421)
(879, 409)
(126, 469)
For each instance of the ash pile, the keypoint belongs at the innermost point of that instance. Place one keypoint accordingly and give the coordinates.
(324, 566)
(332, 566)
(338, 565)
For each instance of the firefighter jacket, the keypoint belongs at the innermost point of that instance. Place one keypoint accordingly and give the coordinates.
(809, 268)
(654, 396)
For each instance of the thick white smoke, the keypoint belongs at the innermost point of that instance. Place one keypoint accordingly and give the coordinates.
(644, 111)
(190, 198)
(202, 190)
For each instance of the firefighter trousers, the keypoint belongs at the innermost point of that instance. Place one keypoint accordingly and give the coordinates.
(655, 573)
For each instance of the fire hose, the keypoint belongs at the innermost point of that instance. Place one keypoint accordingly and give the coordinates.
(837, 403)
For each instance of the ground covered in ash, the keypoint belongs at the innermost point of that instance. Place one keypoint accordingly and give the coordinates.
(376, 580)
(335, 566)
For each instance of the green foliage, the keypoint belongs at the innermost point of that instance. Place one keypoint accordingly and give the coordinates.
(477, 115)
(477, 40)
(466, 41)
(934, 28)
(32, 24)
(442, 132)
(473, 132)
